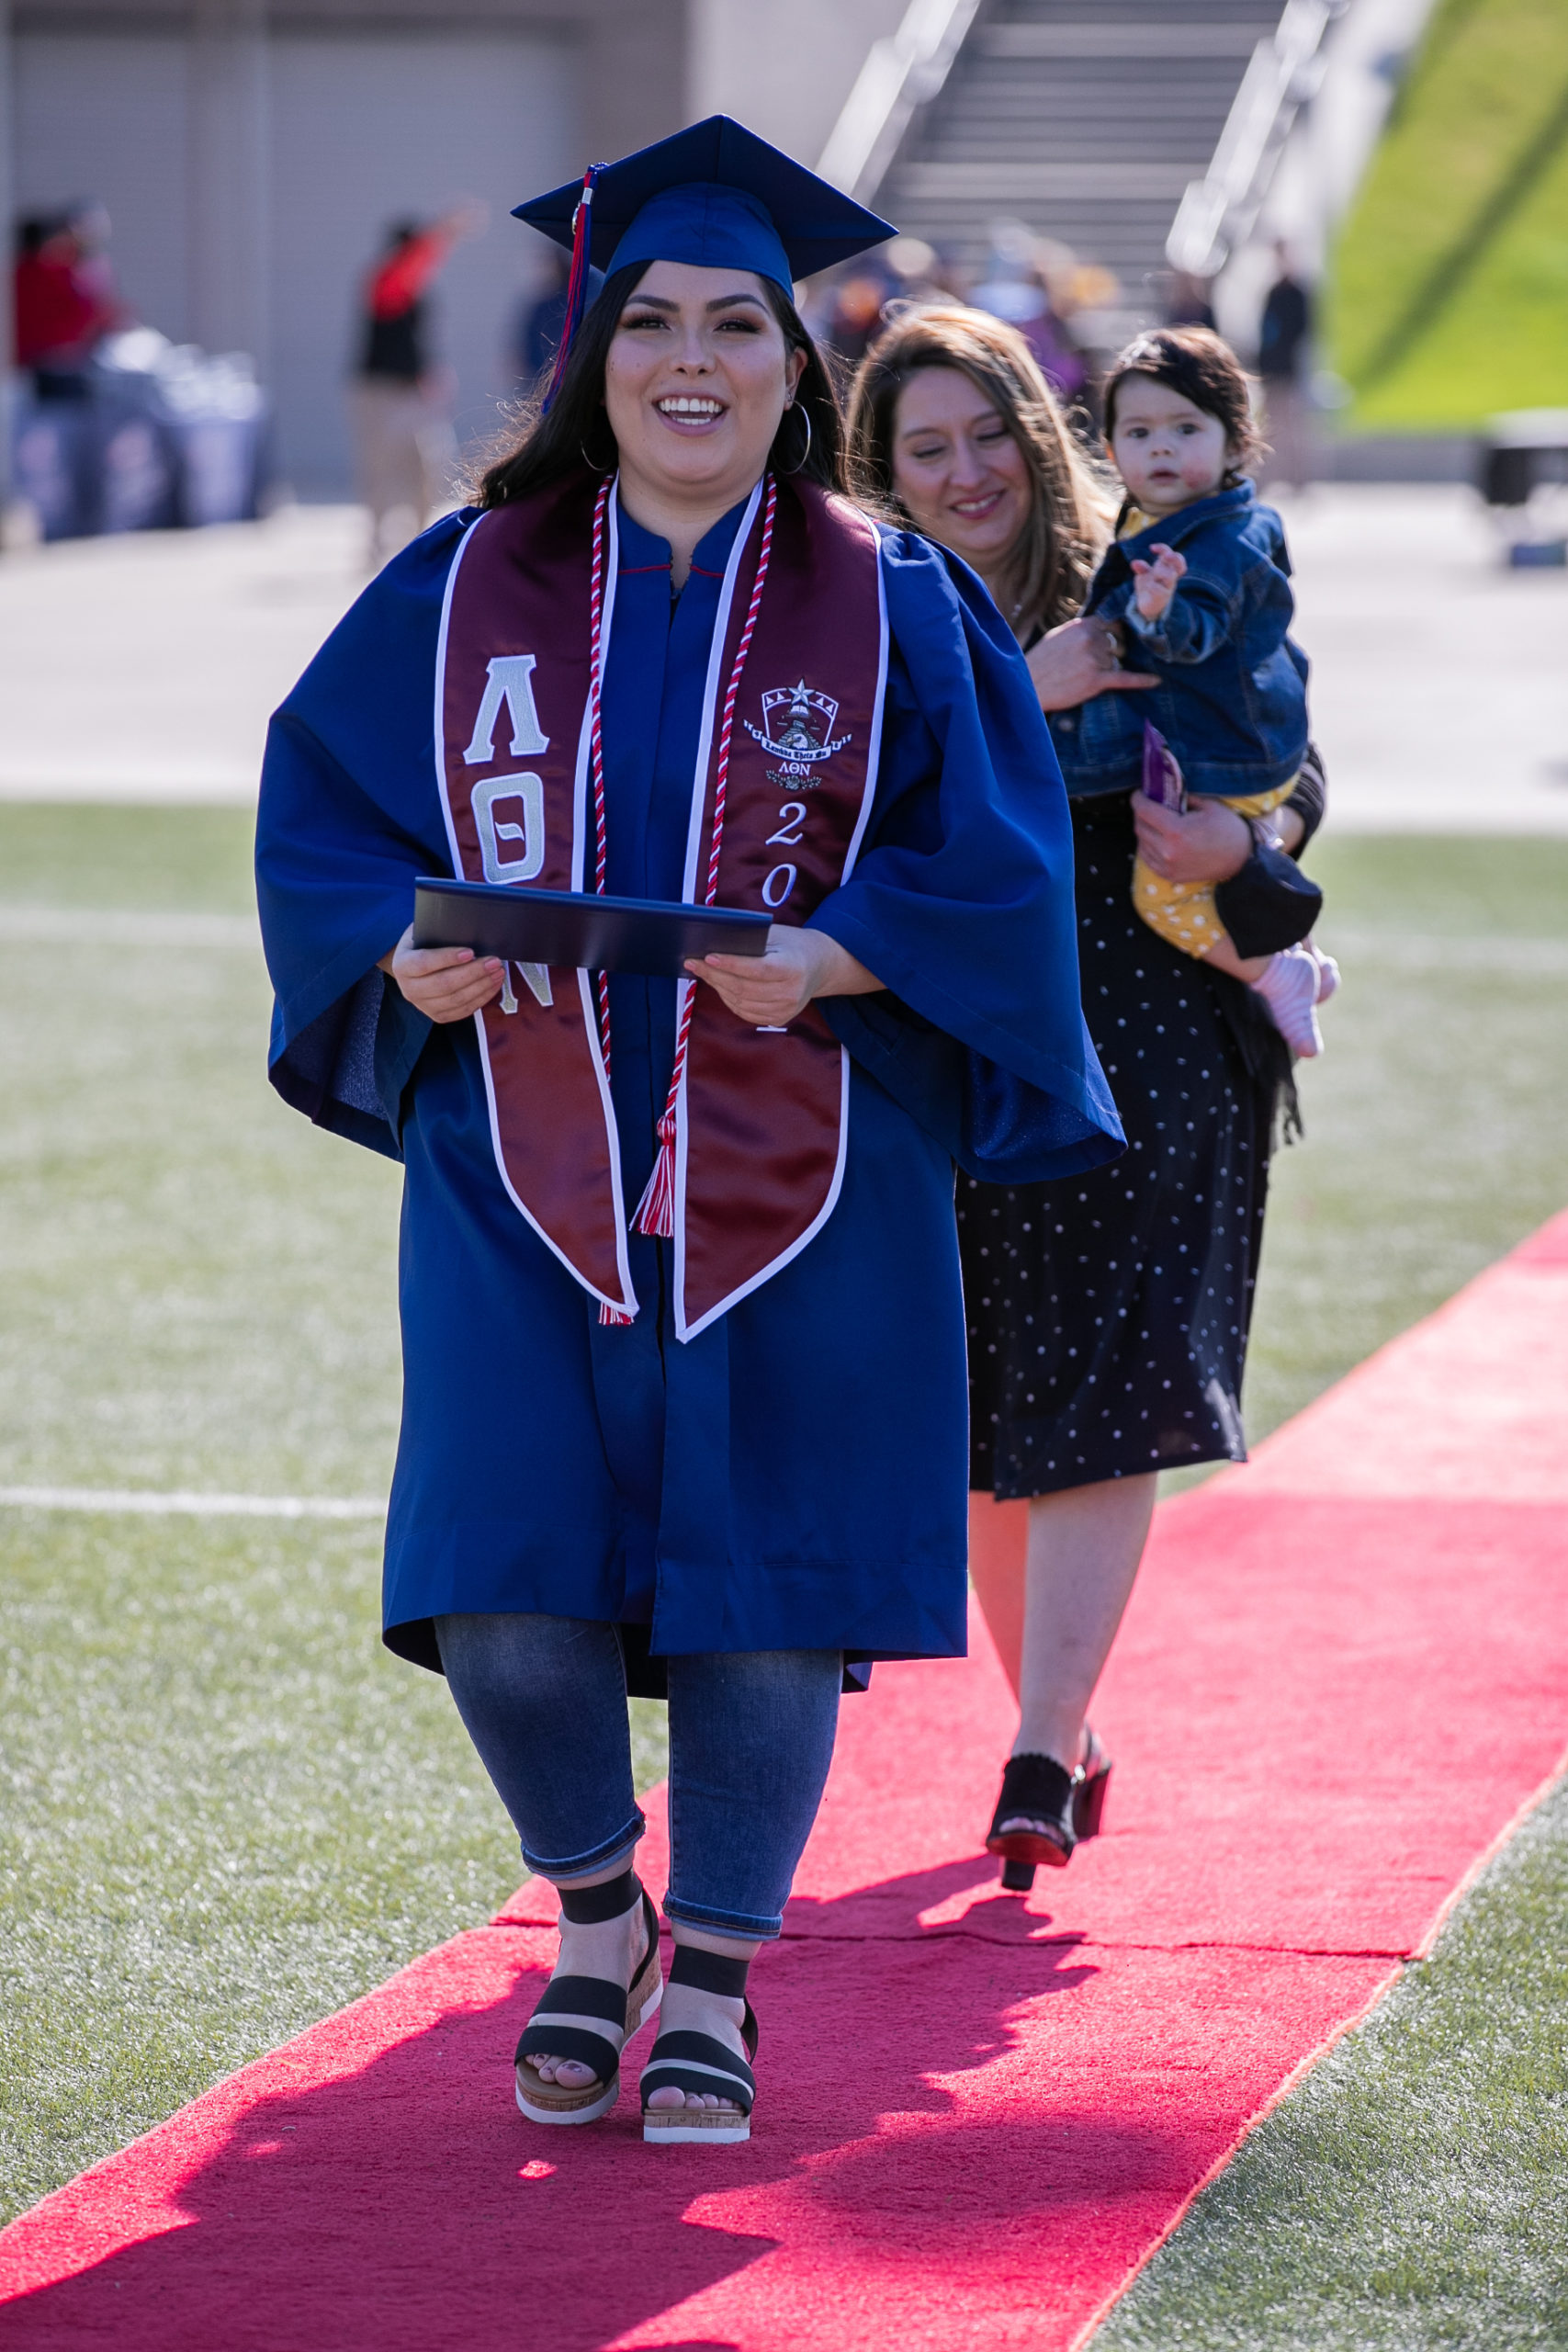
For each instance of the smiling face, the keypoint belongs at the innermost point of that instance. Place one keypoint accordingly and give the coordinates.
(697, 377)
(957, 471)
(1166, 451)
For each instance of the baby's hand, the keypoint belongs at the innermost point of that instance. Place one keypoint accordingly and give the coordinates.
(1154, 584)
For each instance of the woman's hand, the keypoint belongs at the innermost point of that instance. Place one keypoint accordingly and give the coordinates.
(1078, 661)
(444, 983)
(1208, 845)
(768, 991)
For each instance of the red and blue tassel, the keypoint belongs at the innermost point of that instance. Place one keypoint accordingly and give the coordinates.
(577, 283)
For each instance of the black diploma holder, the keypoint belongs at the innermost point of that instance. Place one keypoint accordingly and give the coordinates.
(575, 929)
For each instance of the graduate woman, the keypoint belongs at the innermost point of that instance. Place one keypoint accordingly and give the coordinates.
(684, 1340)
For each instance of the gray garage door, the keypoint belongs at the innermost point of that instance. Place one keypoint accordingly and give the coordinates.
(361, 128)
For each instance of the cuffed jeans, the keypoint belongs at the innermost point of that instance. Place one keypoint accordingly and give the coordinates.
(543, 1700)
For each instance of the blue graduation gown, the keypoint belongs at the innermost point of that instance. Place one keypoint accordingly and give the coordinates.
(796, 1475)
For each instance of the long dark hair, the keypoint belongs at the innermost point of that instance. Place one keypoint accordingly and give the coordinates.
(1070, 510)
(576, 434)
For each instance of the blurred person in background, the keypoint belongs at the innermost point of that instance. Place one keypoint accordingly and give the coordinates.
(399, 400)
(65, 299)
(1016, 286)
(854, 314)
(1284, 354)
(541, 320)
(1107, 1312)
(1188, 303)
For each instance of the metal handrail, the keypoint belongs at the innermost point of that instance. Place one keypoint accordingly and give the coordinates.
(1218, 211)
(902, 72)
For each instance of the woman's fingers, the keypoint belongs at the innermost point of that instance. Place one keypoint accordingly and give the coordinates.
(416, 962)
(1206, 842)
(742, 966)
(1153, 824)
(1115, 682)
(454, 988)
(766, 990)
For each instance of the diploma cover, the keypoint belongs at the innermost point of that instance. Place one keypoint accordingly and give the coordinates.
(575, 928)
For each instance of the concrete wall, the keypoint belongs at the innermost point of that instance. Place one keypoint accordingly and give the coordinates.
(251, 157)
(252, 151)
(783, 67)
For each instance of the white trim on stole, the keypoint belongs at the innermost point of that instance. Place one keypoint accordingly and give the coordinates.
(684, 1330)
(627, 1303)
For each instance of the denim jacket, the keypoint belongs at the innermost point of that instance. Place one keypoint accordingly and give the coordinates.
(1232, 695)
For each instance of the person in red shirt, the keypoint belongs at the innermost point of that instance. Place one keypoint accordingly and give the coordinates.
(399, 398)
(65, 299)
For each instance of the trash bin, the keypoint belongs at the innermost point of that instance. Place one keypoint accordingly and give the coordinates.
(1524, 479)
(165, 436)
(211, 417)
(54, 465)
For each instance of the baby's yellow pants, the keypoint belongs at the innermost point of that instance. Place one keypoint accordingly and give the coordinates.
(1184, 912)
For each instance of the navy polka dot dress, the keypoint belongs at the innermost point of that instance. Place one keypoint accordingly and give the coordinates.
(1108, 1313)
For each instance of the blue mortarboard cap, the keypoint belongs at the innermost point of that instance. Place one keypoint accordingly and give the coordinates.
(715, 196)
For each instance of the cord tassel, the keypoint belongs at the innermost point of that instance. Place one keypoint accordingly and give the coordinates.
(614, 1314)
(576, 283)
(656, 1210)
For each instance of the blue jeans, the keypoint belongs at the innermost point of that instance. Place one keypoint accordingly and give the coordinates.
(543, 1700)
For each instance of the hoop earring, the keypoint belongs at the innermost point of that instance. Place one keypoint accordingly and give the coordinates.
(801, 410)
(598, 470)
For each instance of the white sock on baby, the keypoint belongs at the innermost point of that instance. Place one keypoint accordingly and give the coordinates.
(1289, 986)
(1327, 970)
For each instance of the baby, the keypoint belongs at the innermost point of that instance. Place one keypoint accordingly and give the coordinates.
(1197, 580)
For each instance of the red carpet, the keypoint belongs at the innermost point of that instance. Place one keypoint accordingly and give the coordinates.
(1345, 1671)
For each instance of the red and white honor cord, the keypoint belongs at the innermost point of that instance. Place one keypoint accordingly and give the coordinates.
(608, 1314)
(656, 1210)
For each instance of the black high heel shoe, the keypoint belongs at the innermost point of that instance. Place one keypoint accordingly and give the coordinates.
(1045, 1812)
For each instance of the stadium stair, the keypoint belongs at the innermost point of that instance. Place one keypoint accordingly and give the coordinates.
(1084, 119)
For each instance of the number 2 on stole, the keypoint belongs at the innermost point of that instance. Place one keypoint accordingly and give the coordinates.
(792, 813)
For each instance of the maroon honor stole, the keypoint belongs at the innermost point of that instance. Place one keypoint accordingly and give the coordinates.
(752, 1142)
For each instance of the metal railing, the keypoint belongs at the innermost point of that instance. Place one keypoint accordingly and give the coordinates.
(901, 72)
(1283, 73)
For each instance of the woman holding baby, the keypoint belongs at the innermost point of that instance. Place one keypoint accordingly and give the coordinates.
(1108, 1313)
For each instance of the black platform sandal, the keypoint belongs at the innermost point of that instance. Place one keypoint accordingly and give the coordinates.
(1044, 1811)
(697, 2061)
(622, 2011)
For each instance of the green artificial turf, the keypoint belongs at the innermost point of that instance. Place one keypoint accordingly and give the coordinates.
(56, 854)
(1411, 2192)
(226, 1811)
(1449, 296)
(1436, 1120)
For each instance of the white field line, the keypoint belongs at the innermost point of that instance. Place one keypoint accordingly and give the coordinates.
(122, 927)
(1404, 951)
(1410, 951)
(141, 1499)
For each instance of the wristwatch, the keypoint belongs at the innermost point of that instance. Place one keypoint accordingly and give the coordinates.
(1266, 833)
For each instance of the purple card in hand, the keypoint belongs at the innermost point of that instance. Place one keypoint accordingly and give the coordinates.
(1162, 778)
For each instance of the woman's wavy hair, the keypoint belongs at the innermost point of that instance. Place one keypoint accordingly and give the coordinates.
(575, 434)
(1071, 512)
(1202, 367)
